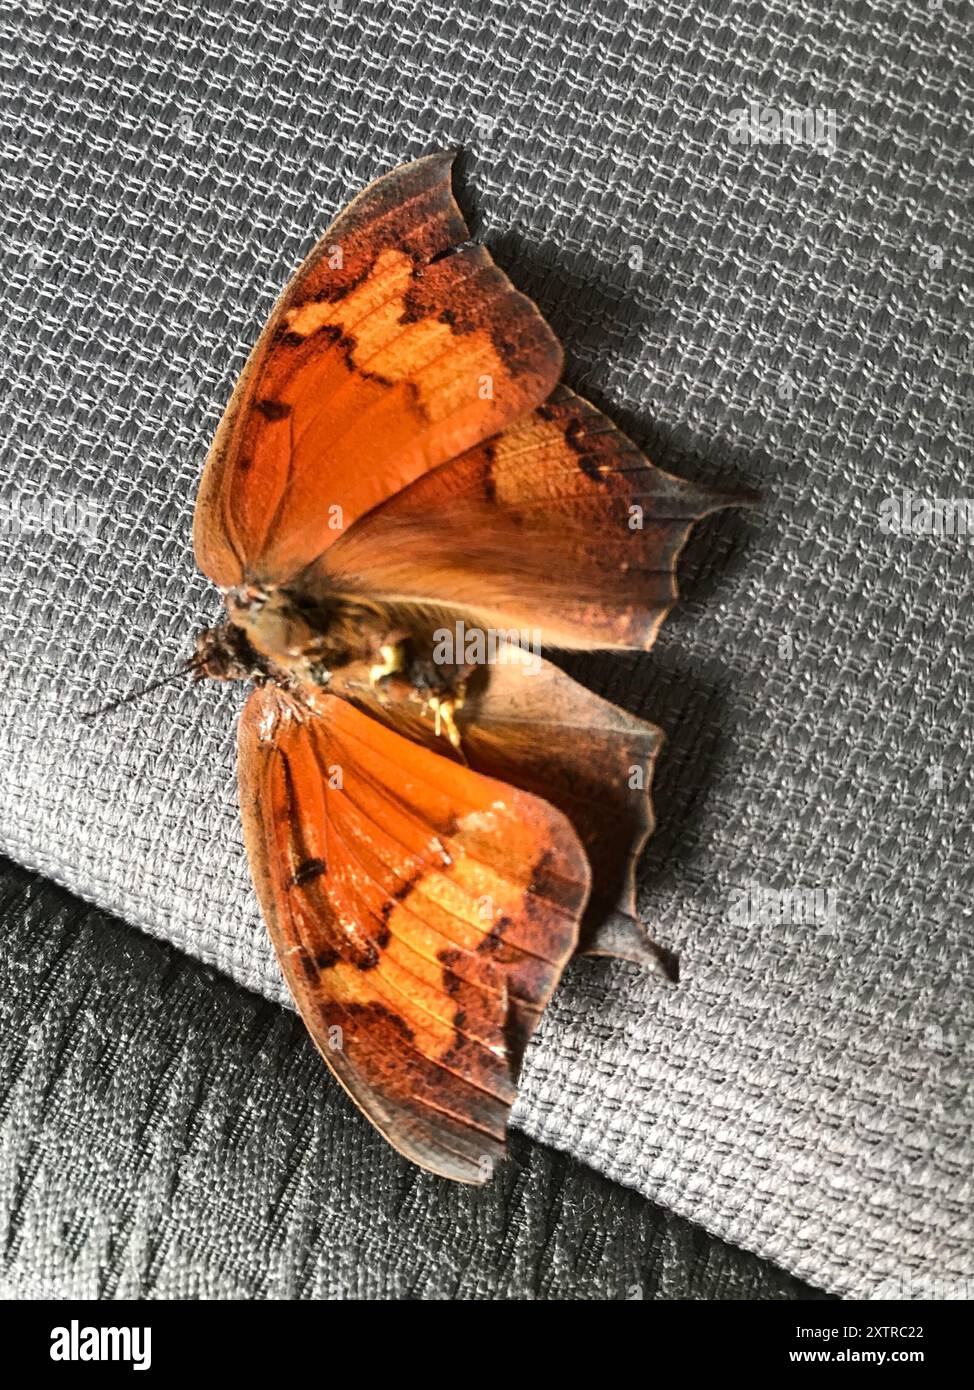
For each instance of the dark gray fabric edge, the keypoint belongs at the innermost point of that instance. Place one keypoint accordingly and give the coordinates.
(167, 1134)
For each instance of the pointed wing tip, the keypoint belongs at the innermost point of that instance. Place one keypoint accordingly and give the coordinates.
(706, 499)
(448, 1163)
(436, 163)
(625, 938)
(410, 178)
(716, 500)
(444, 158)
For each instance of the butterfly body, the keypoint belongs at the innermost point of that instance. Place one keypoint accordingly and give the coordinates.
(434, 826)
(364, 649)
(301, 637)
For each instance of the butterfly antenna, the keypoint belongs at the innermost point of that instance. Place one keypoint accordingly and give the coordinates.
(187, 666)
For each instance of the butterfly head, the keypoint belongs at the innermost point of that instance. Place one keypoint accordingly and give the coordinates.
(224, 654)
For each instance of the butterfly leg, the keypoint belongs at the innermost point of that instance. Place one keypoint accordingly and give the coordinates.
(393, 656)
(444, 711)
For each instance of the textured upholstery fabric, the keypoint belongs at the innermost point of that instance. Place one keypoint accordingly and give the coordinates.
(782, 315)
(180, 1136)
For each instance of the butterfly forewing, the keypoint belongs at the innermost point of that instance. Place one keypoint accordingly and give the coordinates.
(528, 723)
(421, 912)
(394, 348)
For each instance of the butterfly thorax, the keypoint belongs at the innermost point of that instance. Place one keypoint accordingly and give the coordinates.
(362, 651)
(274, 634)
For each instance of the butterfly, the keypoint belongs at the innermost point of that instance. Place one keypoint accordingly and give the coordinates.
(436, 816)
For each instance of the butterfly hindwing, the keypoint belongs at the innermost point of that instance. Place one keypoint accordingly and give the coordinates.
(396, 346)
(528, 723)
(559, 523)
(421, 912)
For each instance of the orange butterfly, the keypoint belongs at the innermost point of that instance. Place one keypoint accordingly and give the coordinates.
(436, 818)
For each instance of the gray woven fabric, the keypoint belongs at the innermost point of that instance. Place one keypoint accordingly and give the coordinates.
(786, 315)
(164, 1134)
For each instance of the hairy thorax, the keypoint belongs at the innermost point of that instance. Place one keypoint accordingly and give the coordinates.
(371, 654)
